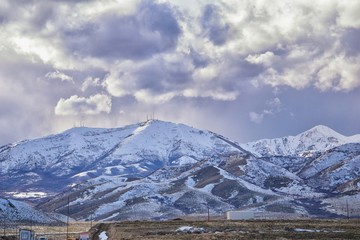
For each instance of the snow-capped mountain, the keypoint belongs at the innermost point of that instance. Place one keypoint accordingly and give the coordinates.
(131, 152)
(317, 139)
(161, 170)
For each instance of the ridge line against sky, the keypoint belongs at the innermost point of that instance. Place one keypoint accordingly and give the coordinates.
(247, 69)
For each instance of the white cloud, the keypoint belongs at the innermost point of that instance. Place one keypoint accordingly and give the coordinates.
(76, 105)
(274, 106)
(328, 71)
(348, 14)
(41, 50)
(256, 117)
(59, 75)
(216, 94)
(293, 40)
(147, 97)
(207, 74)
(274, 103)
(306, 33)
(266, 58)
(91, 82)
(121, 80)
(288, 77)
(340, 74)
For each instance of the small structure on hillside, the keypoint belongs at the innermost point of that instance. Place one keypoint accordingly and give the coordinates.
(248, 215)
(26, 234)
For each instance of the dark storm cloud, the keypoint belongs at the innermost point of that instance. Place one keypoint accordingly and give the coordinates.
(160, 76)
(214, 26)
(152, 29)
(3, 16)
(243, 70)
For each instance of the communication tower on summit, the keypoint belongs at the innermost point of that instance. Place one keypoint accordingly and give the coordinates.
(151, 117)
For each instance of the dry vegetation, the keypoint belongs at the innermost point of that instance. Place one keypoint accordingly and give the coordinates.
(51, 232)
(216, 229)
(271, 229)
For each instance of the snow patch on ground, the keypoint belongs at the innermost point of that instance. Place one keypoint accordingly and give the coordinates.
(316, 230)
(189, 229)
(190, 182)
(21, 195)
(103, 236)
(208, 188)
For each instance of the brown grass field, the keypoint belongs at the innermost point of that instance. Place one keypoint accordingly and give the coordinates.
(51, 232)
(215, 229)
(259, 229)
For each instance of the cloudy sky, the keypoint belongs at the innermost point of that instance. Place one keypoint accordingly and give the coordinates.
(247, 69)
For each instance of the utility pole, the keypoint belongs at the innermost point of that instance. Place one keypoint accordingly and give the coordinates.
(67, 218)
(4, 223)
(3, 199)
(4, 218)
(91, 221)
(208, 211)
(347, 209)
(31, 222)
(91, 215)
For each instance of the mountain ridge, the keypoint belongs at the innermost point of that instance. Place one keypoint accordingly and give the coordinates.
(77, 152)
(162, 170)
(317, 139)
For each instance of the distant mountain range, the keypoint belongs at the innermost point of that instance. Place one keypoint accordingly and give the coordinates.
(162, 170)
(315, 140)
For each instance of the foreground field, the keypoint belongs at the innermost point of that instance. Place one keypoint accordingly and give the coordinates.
(51, 232)
(195, 229)
(275, 229)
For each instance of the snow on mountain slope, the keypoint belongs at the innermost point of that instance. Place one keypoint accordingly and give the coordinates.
(161, 170)
(16, 211)
(317, 139)
(57, 161)
(337, 170)
(146, 198)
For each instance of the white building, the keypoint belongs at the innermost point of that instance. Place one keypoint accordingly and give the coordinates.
(240, 215)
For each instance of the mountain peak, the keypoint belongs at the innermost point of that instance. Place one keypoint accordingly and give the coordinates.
(317, 139)
(322, 130)
(135, 150)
